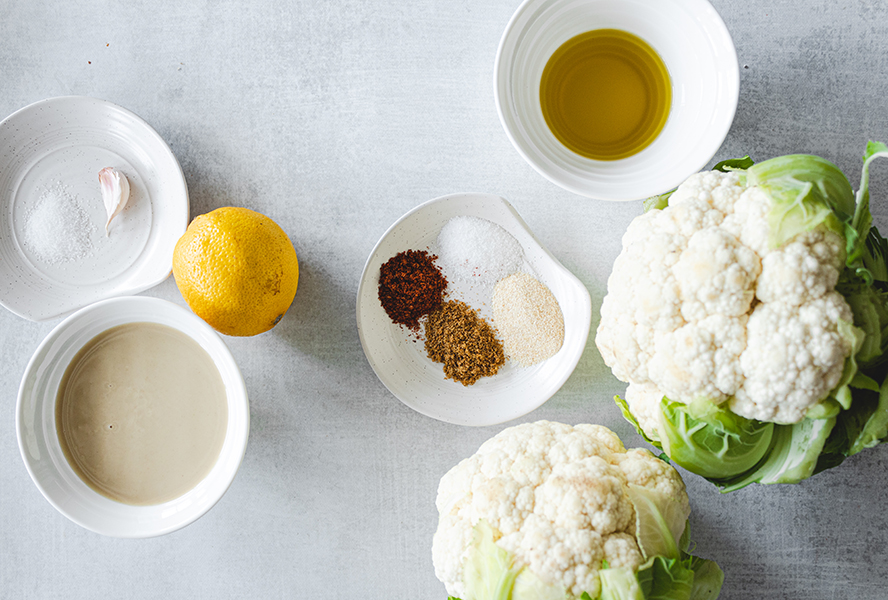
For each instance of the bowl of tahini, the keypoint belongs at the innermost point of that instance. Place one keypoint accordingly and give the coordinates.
(132, 417)
(616, 99)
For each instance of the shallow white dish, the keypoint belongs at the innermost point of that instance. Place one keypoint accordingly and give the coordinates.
(63, 143)
(699, 54)
(401, 362)
(39, 443)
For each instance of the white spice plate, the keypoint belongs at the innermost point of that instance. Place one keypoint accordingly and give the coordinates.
(50, 155)
(398, 357)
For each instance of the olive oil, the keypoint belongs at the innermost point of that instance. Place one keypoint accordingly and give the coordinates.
(606, 94)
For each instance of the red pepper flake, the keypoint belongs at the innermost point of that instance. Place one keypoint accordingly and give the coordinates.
(410, 287)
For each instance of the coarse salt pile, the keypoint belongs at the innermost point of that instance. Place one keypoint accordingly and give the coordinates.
(528, 318)
(57, 228)
(475, 250)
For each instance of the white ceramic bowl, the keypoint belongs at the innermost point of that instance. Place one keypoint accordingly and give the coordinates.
(695, 45)
(42, 453)
(64, 143)
(401, 362)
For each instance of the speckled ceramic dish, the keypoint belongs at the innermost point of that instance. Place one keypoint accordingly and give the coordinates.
(50, 155)
(400, 361)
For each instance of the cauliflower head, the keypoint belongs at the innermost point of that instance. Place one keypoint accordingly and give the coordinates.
(557, 501)
(700, 305)
(748, 313)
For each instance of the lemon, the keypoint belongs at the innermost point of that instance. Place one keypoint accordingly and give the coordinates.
(237, 270)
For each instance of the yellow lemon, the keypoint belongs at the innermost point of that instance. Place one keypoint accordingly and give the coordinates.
(237, 270)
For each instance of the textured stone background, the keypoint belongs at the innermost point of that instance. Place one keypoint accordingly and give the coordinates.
(335, 118)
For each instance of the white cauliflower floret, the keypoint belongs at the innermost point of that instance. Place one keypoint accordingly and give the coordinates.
(700, 359)
(558, 555)
(641, 468)
(557, 499)
(644, 404)
(588, 494)
(626, 346)
(501, 500)
(621, 550)
(647, 296)
(794, 357)
(452, 540)
(716, 275)
(700, 307)
(719, 190)
(749, 220)
(806, 268)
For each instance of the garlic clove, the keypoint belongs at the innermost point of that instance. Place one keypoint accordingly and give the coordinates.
(115, 192)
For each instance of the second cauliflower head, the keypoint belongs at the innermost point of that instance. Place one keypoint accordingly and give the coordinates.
(567, 511)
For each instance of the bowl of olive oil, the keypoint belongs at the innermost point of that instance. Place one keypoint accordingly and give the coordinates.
(616, 99)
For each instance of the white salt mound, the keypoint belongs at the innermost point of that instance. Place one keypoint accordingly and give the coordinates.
(528, 318)
(57, 228)
(476, 250)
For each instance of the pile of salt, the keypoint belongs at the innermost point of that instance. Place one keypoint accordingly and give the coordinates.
(57, 228)
(473, 250)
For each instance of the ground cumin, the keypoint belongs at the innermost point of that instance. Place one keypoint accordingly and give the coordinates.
(458, 337)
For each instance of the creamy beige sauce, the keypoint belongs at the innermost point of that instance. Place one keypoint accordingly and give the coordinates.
(141, 413)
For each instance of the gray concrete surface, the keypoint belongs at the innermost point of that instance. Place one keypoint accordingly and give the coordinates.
(335, 118)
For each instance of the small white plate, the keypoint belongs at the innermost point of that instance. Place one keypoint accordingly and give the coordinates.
(61, 144)
(400, 361)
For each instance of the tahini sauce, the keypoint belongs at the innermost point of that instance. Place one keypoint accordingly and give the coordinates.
(141, 413)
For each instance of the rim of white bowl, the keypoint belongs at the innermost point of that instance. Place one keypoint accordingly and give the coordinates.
(575, 176)
(222, 473)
